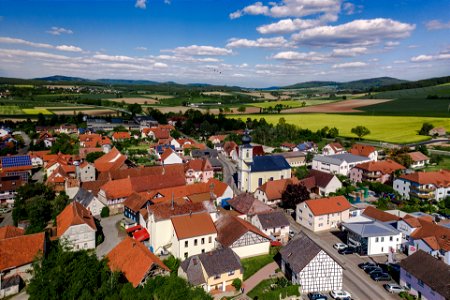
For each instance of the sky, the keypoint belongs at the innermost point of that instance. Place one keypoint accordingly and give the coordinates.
(229, 42)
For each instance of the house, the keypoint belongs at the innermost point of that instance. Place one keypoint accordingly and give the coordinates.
(419, 160)
(437, 131)
(170, 157)
(321, 183)
(193, 234)
(255, 171)
(305, 263)
(86, 172)
(212, 155)
(270, 192)
(337, 164)
(120, 136)
(113, 160)
(230, 148)
(294, 159)
(273, 224)
(372, 237)
(156, 133)
(89, 201)
(306, 147)
(375, 171)
(136, 262)
(426, 186)
(248, 206)
(217, 139)
(8, 189)
(18, 252)
(242, 237)
(382, 216)
(76, 226)
(364, 150)
(286, 146)
(213, 271)
(198, 170)
(425, 276)
(324, 213)
(146, 121)
(37, 157)
(16, 165)
(333, 148)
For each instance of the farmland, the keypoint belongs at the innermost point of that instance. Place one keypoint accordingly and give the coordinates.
(10, 110)
(291, 103)
(401, 129)
(131, 100)
(36, 111)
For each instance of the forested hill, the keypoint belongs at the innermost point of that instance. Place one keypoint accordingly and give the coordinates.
(413, 84)
(361, 85)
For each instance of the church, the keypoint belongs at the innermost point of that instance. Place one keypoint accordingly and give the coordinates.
(255, 171)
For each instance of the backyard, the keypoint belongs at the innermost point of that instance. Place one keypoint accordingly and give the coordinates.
(252, 265)
(272, 289)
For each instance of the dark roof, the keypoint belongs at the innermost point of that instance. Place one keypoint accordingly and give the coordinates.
(247, 204)
(193, 270)
(231, 228)
(197, 153)
(299, 252)
(322, 178)
(269, 163)
(433, 272)
(273, 219)
(84, 197)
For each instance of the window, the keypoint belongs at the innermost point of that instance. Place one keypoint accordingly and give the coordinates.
(391, 238)
(185, 255)
(271, 179)
(210, 240)
(259, 181)
(420, 282)
(382, 239)
(203, 250)
(230, 273)
(217, 276)
(195, 242)
(203, 241)
(376, 240)
(186, 244)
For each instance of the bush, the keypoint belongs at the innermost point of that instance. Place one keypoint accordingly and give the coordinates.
(237, 283)
(105, 212)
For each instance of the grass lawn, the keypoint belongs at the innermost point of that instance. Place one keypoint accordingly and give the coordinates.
(291, 103)
(10, 110)
(139, 147)
(252, 265)
(444, 164)
(398, 129)
(264, 291)
(35, 111)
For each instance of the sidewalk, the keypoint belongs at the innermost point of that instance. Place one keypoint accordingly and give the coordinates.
(259, 276)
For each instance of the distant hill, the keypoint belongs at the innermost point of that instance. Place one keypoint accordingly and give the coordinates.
(412, 84)
(60, 78)
(361, 85)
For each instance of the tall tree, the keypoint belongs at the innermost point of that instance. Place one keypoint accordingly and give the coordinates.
(293, 195)
(360, 131)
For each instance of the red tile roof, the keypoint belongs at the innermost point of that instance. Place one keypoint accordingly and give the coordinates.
(418, 156)
(175, 169)
(337, 147)
(193, 225)
(7, 232)
(134, 260)
(231, 228)
(275, 188)
(20, 250)
(377, 214)
(74, 214)
(121, 135)
(437, 178)
(362, 150)
(247, 204)
(165, 211)
(198, 165)
(325, 206)
(221, 138)
(229, 146)
(167, 152)
(436, 235)
(384, 166)
(113, 160)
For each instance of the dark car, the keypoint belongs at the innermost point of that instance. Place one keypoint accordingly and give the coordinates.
(346, 251)
(317, 296)
(376, 270)
(371, 268)
(367, 265)
(381, 277)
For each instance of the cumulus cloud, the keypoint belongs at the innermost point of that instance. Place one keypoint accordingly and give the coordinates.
(349, 52)
(288, 25)
(69, 48)
(356, 33)
(436, 25)
(275, 42)
(354, 64)
(301, 56)
(196, 50)
(427, 58)
(142, 4)
(59, 30)
(160, 65)
(9, 40)
(32, 54)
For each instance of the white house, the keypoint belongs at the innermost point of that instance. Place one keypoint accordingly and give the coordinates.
(273, 224)
(169, 157)
(333, 148)
(89, 201)
(305, 263)
(419, 160)
(364, 150)
(86, 172)
(337, 164)
(76, 225)
(426, 186)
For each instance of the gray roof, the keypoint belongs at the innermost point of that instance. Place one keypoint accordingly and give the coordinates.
(84, 197)
(339, 158)
(208, 152)
(299, 252)
(293, 154)
(273, 219)
(371, 229)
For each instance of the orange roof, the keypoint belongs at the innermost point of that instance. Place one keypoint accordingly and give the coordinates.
(221, 138)
(411, 221)
(199, 165)
(275, 188)
(219, 186)
(194, 146)
(418, 156)
(377, 214)
(167, 152)
(437, 178)
(192, 225)
(384, 166)
(436, 235)
(39, 154)
(362, 150)
(119, 188)
(112, 160)
(164, 211)
(325, 206)
(73, 214)
(158, 132)
(134, 260)
(432, 242)
(121, 135)
(20, 250)
(7, 232)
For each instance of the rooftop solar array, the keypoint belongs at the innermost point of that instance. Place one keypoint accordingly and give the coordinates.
(15, 161)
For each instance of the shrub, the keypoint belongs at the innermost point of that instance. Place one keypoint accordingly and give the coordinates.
(105, 212)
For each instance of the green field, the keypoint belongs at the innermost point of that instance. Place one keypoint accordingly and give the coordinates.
(10, 110)
(401, 129)
(36, 111)
(291, 103)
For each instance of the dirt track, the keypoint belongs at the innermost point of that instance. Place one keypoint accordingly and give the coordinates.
(341, 106)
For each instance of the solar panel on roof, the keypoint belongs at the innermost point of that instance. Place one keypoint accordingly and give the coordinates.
(16, 161)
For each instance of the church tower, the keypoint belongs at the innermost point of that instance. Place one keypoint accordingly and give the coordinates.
(245, 161)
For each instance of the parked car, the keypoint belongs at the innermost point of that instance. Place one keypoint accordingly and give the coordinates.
(376, 270)
(371, 268)
(393, 288)
(340, 246)
(346, 251)
(340, 294)
(127, 223)
(291, 233)
(367, 265)
(317, 296)
(394, 267)
(381, 276)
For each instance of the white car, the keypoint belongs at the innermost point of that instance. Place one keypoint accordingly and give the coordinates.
(394, 288)
(340, 246)
(340, 294)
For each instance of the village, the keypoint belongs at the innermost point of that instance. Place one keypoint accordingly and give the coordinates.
(237, 220)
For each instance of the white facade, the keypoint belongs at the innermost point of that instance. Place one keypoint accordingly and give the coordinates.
(342, 167)
(425, 192)
(383, 244)
(173, 158)
(419, 164)
(228, 194)
(86, 173)
(251, 244)
(307, 219)
(80, 237)
(331, 187)
(95, 207)
(184, 248)
(280, 234)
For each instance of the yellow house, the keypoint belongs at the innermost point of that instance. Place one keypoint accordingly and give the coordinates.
(213, 271)
(253, 172)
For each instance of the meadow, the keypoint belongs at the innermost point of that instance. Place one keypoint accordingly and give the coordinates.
(10, 110)
(400, 130)
(36, 111)
(291, 103)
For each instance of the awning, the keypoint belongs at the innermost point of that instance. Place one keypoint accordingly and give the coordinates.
(141, 235)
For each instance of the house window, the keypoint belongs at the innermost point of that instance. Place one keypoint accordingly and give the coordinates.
(185, 255)
(217, 276)
(420, 282)
(203, 241)
(195, 242)
(259, 181)
(203, 250)
(230, 273)
(382, 239)
(391, 238)
(186, 244)
(376, 240)
(271, 179)
(210, 239)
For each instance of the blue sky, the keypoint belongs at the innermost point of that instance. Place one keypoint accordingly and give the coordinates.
(246, 43)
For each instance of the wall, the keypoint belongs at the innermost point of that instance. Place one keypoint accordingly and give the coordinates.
(178, 246)
(332, 187)
(252, 250)
(319, 223)
(384, 244)
(415, 286)
(225, 280)
(283, 231)
(173, 159)
(80, 236)
(329, 168)
(160, 233)
(402, 187)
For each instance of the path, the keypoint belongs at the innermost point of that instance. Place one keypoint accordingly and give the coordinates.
(264, 273)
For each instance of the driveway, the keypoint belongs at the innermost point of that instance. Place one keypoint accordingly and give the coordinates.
(113, 235)
(7, 219)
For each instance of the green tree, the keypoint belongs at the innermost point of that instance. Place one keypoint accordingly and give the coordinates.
(134, 108)
(104, 212)
(426, 127)
(333, 133)
(237, 283)
(23, 199)
(293, 195)
(59, 203)
(241, 109)
(301, 172)
(360, 131)
(91, 157)
(172, 263)
(39, 213)
(175, 134)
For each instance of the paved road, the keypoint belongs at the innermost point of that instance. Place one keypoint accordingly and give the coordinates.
(265, 273)
(26, 140)
(229, 168)
(112, 235)
(8, 220)
(356, 281)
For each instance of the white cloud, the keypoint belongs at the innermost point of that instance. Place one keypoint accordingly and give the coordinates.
(32, 54)
(301, 56)
(391, 44)
(421, 58)
(355, 64)
(160, 65)
(59, 30)
(142, 4)
(357, 33)
(436, 25)
(114, 58)
(349, 52)
(8, 40)
(69, 48)
(275, 42)
(287, 25)
(196, 50)
(349, 8)
(141, 48)
(167, 1)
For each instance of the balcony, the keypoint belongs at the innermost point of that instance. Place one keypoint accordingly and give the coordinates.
(423, 195)
(423, 189)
